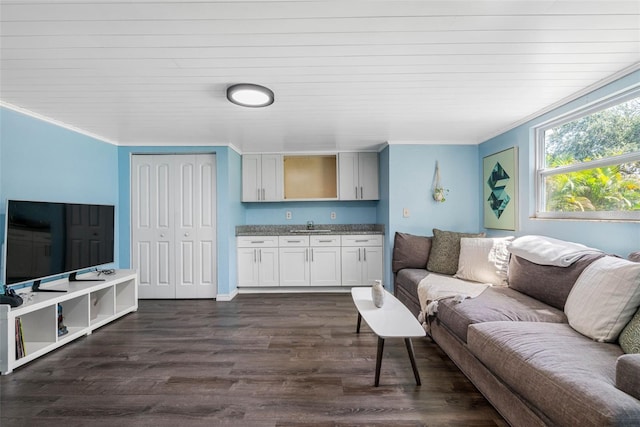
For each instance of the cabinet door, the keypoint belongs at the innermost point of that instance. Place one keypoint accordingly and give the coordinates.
(272, 176)
(348, 176)
(372, 264)
(368, 176)
(269, 267)
(351, 260)
(248, 267)
(251, 177)
(325, 266)
(294, 266)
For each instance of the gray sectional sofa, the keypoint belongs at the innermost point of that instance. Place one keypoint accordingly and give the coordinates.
(518, 346)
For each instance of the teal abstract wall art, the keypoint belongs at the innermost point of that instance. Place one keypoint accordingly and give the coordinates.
(500, 176)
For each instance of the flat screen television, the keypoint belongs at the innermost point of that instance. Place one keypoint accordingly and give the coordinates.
(45, 239)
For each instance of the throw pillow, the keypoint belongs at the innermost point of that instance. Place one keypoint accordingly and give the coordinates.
(630, 336)
(410, 251)
(634, 256)
(546, 283)
(604, 298)
(445, 251)
(484, 260)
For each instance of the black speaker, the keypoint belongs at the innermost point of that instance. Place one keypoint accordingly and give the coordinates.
(10, 297)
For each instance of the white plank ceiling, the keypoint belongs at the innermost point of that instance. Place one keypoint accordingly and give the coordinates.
(347, 75)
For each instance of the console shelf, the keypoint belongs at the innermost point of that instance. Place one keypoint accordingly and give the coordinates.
(86, 306)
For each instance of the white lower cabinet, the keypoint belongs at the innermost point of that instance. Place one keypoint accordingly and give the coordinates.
(325, 266)
(294, 260)
(362, 259)
(258, 261)
(309, 261)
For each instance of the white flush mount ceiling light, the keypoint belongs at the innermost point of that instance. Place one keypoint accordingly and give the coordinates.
(250, 95)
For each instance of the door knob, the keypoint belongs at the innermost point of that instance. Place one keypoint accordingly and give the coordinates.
(186, 234)
(162, 235)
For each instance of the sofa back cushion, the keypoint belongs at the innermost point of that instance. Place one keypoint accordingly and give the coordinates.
(484, 259)
(604, 298)
(410, 251)
(630, 335)
(549, 284)
(445, 251)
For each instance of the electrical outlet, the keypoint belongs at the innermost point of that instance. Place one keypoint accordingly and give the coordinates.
(405, 213)
(289, 215)
(333, 215)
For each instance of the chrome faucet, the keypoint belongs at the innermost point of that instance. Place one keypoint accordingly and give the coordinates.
(310, 225)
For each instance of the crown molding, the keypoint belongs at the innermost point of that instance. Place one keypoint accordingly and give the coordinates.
(56, 122)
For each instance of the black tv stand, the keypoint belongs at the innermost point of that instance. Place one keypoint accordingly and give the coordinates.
(36, 288)
(73, 277)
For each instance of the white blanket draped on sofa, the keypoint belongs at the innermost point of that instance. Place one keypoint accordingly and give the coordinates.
(545, 250)
(435, 287)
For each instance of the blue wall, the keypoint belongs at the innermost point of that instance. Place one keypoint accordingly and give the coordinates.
(411, 173)
(229, 209)
(42, 161)
(619, 238)
(318, 212)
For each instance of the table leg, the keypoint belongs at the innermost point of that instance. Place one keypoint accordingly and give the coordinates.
(416, 374)
(359, 321)
(379, 360)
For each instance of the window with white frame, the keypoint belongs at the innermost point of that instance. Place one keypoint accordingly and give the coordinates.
(588, 162)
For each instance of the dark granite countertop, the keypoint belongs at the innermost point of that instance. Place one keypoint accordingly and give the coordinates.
(301, 229)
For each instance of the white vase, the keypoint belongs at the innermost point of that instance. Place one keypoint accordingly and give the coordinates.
(377, 293)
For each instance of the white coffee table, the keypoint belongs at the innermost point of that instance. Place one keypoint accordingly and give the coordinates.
(392, 320)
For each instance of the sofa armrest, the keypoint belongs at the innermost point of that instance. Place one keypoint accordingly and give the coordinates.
(628, 374)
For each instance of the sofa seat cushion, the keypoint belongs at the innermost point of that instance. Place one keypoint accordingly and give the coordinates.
(495, 304)
(406, 287)
(565, 375)
(408, 279)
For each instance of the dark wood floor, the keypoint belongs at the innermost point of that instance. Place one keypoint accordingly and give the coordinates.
(259, 360)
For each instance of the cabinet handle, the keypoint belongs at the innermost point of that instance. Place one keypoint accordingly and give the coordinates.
(257, 241)
(294, 241)
(263, 198)
(359, 259)
(356, 192)
(260, 253)
(362, 241)
(311, 254)
(325, 241)
(306, 255)
(361, 193)
(186, 234)
(257, 194)
(365, 254)
(255, 257)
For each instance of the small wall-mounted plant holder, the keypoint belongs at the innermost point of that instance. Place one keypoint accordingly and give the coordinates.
(439, 192)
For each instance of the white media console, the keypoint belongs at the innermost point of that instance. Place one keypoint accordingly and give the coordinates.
(86, 306)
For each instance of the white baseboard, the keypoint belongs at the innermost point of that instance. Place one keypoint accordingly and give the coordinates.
(227, 297)
(295, 290)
